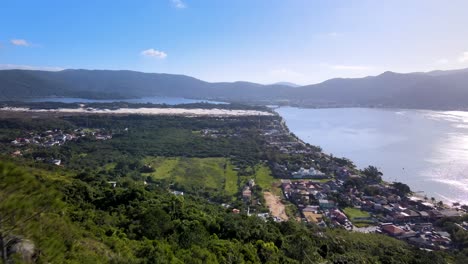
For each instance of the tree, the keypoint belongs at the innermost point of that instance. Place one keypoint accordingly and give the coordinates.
(401, 188)
(155, 222)
(372, 174)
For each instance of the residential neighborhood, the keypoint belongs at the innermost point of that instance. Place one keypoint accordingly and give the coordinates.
(330, 191)
(58, 137)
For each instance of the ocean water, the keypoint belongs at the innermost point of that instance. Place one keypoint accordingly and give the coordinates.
(428, 150)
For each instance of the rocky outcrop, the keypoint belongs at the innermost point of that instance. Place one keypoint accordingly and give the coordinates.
(21, 250)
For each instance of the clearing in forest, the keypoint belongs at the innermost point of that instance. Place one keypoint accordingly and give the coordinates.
(275, 205)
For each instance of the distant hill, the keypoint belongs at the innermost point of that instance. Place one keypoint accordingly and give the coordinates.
(20, 84)
(431, 90)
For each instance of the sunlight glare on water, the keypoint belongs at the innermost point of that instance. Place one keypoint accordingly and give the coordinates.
(428, 150)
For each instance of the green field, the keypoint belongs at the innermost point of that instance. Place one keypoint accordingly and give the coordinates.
(265, 179)
(231, 179)
(206, 174)
(189, 173)
(353, 213)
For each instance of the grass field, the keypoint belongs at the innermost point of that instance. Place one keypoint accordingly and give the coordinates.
(231, 178)
(265, 179)
(190, 173)
(207, 174)
(354, 214)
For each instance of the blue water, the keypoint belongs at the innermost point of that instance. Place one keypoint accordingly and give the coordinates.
(428, 150)
(143, 100)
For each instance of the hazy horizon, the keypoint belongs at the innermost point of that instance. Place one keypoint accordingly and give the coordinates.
(24, 67)
(302, 42)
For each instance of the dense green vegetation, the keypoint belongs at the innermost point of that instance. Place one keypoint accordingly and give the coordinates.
(85, 220)
(73, 214)
(457, 231)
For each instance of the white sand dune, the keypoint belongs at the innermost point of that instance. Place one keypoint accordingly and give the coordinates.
(147, 111)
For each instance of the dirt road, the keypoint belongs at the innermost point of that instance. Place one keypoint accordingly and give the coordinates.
(275, 205)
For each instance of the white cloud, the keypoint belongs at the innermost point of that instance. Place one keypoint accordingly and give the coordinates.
(178, 4)
(154, 53)
(350, 67)
(20, 42)
(28, 67)
(464, 57)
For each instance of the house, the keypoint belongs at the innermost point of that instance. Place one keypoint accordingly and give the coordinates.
(434, 214)
(387, 208)
(308, 173)
(313, 217)
(450, 213)
(424, 215)
(311, 208)
(378, 207)
(326, 204)
(112, 183)
(422, 227)
(177, 193)
(339, 216)
(392, 230)
(412, 215)
(246, 193)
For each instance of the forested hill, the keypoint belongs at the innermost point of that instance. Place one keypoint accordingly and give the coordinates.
(17, 84)
(431, 90)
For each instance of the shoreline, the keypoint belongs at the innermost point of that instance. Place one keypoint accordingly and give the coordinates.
(420, 194)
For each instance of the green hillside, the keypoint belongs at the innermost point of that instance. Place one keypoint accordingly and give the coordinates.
(90, 222)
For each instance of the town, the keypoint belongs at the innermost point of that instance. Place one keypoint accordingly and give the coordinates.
(332, 192)
(56, 137)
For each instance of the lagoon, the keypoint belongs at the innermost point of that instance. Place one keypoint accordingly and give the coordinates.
(428, 150)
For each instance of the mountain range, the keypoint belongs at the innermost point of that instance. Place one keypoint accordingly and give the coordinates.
(429, 90)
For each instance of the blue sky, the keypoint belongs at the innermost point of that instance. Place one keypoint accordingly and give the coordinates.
(266, 41)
